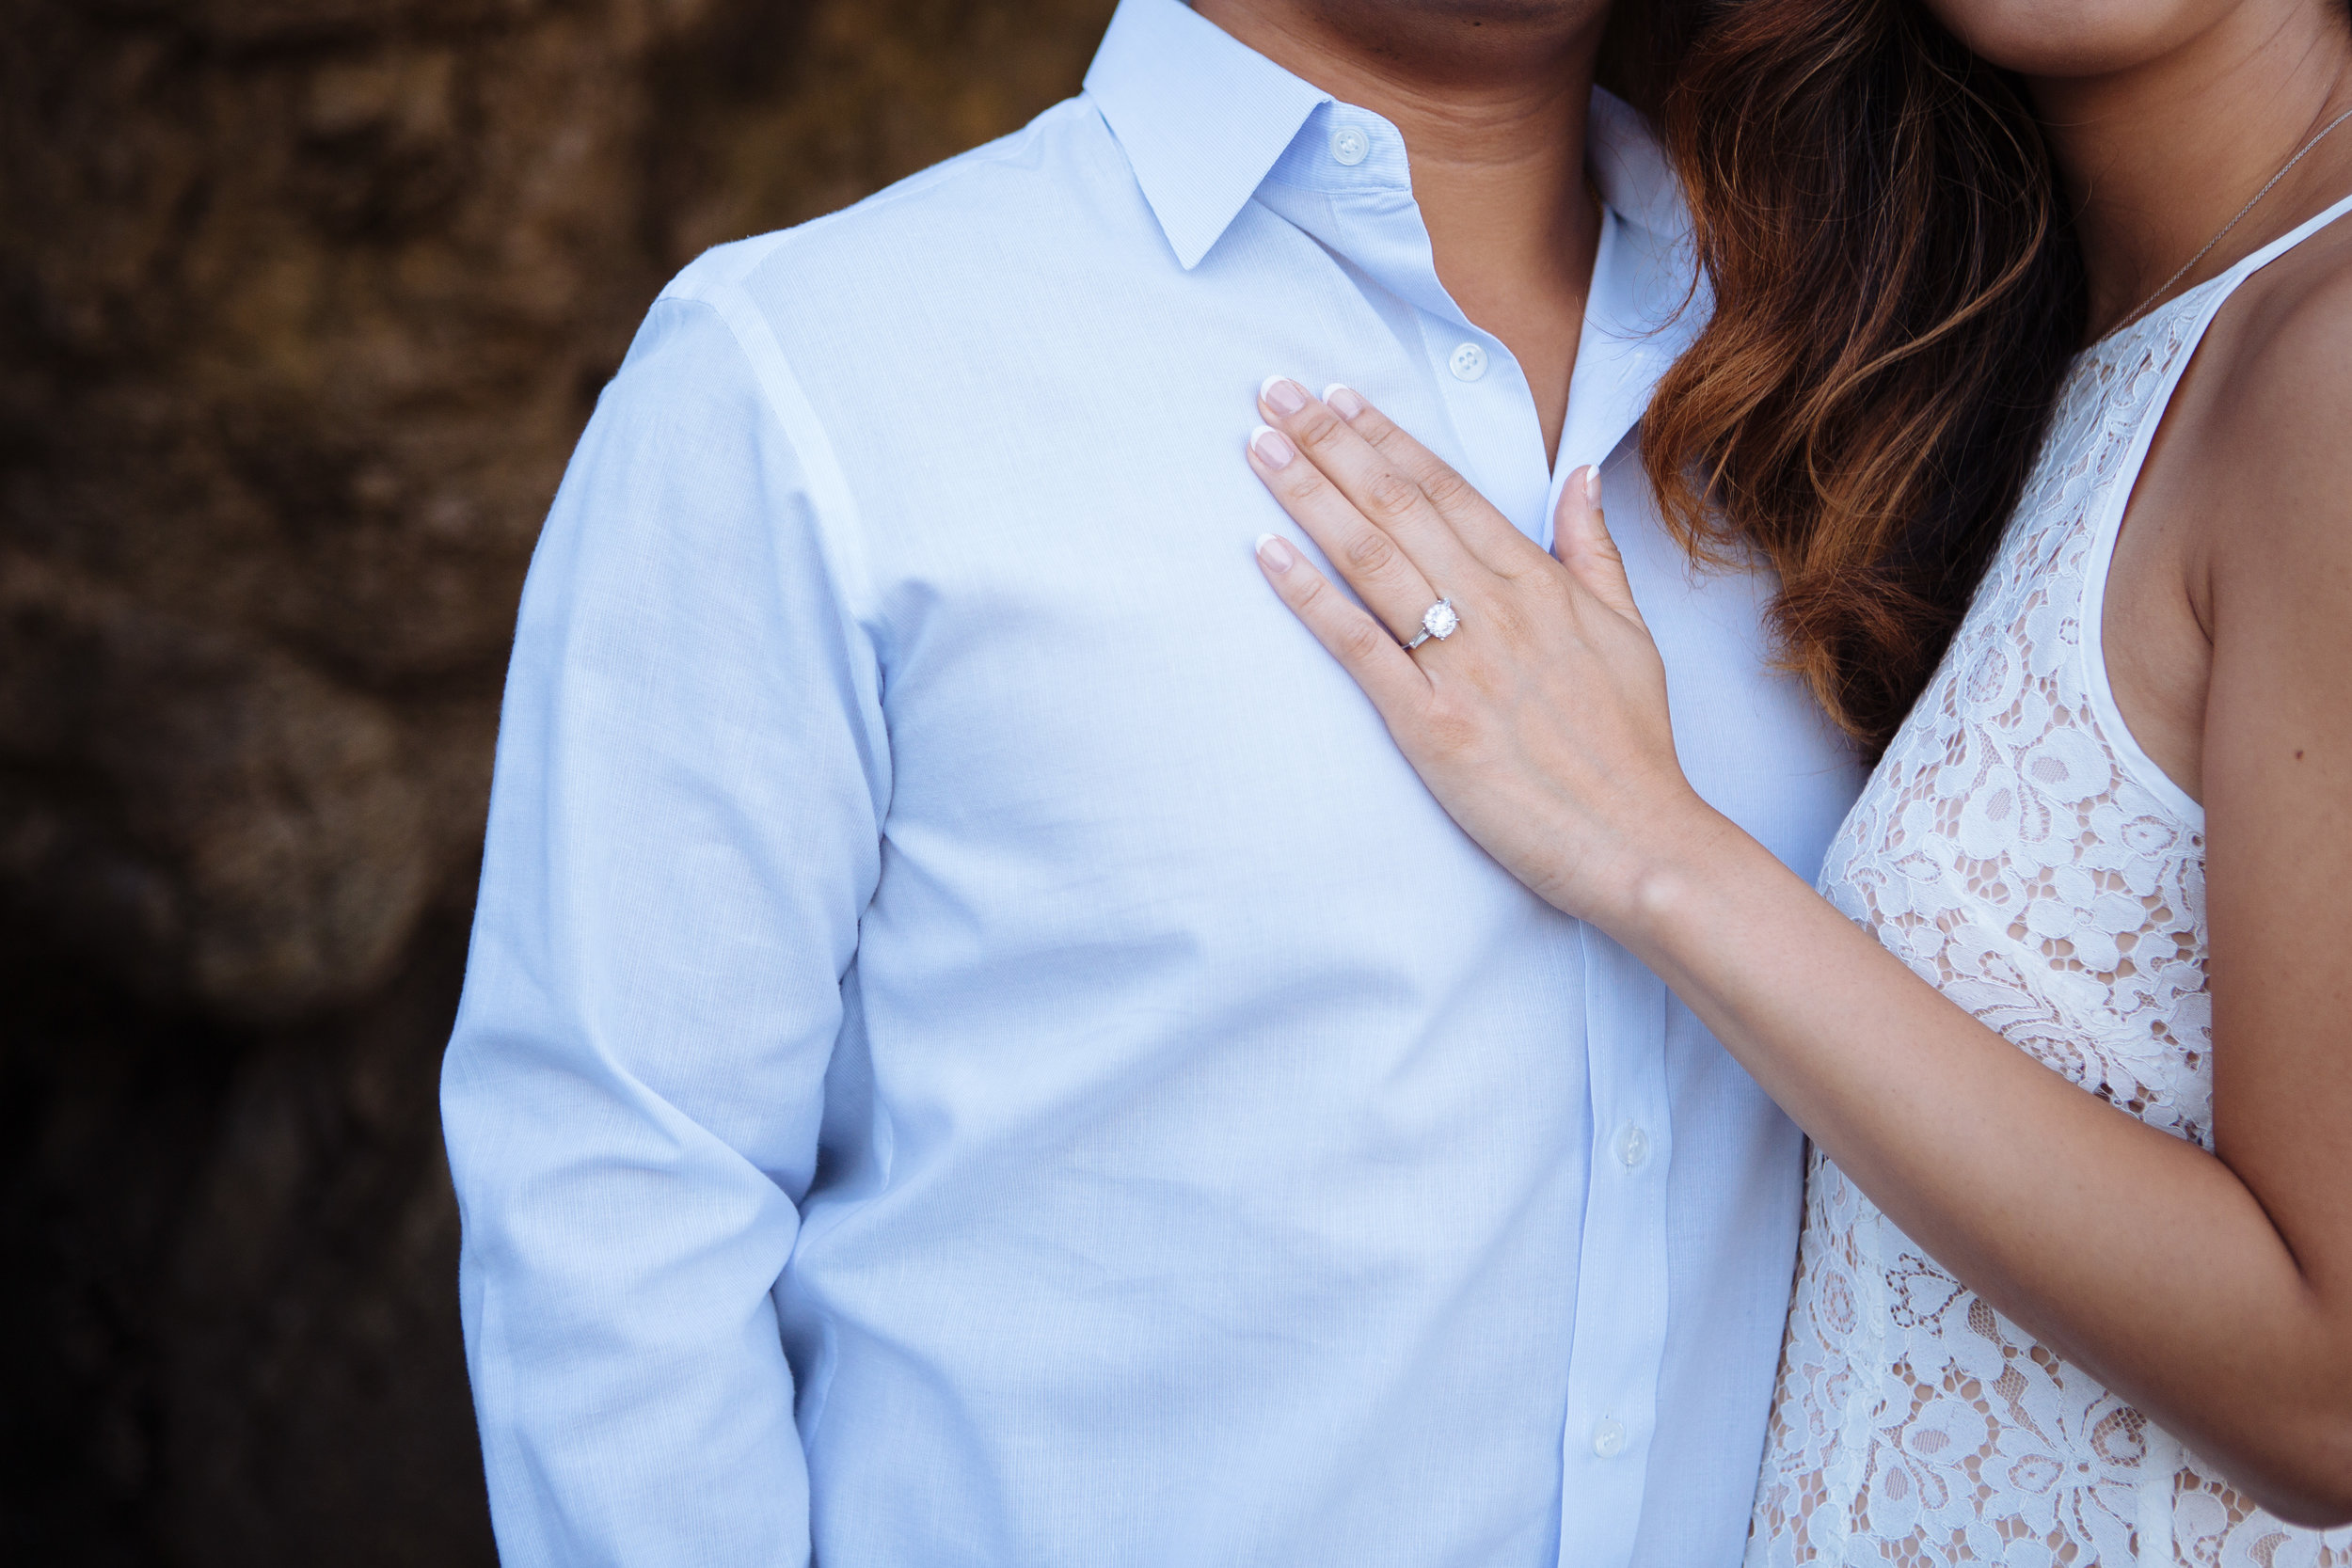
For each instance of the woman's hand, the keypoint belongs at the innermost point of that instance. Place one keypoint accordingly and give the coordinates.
(1541, 722)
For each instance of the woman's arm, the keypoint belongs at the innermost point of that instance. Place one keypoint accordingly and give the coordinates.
(2216, 1293)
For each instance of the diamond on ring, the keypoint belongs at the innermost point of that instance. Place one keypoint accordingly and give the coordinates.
(1439, 621)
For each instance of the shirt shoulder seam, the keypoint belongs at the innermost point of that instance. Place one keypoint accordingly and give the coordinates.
(831, 501)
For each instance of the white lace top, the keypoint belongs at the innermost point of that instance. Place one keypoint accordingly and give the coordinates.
(2021, 853)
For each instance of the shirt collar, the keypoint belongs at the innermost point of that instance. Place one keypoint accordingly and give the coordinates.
(1203, 118)
(1200, 114)
(1631, 170)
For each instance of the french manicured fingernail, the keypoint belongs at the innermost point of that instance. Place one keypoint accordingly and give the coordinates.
(1275, 552)
(1272, 447)
(1591, 483)
(1344, 400)
(1281, 394)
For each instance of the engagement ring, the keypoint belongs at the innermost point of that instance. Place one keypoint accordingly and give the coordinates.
(1438, 621)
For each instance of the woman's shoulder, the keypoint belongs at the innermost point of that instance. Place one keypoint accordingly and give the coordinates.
(2275, 438)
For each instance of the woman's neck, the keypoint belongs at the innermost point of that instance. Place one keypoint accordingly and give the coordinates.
(2156, 158)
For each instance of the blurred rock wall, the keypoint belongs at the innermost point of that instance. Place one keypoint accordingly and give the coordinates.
(302, 304)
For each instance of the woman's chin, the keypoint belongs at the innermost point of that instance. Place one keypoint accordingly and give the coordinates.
(2077, 40)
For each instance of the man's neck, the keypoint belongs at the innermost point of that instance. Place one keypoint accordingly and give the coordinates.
(1492, 111)
(2156, 158)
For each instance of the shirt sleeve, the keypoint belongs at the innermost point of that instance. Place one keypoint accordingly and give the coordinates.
(683, 834)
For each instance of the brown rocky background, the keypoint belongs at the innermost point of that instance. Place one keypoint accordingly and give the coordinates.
(302, 304)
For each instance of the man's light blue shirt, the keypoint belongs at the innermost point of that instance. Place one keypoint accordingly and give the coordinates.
(977, 1048)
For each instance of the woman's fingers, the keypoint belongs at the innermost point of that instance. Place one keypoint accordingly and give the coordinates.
(1371, 560)
(1387, 496)
(1386, 672)
(1487, 532)
(1579, 537)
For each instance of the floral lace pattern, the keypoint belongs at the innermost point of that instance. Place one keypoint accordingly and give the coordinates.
(2044, 877)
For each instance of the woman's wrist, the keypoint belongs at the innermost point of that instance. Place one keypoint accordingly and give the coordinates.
(1691, 857)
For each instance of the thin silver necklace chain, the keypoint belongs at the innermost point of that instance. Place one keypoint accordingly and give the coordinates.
(2166, 287)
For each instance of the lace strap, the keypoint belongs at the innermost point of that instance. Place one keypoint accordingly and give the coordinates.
(2251, 264)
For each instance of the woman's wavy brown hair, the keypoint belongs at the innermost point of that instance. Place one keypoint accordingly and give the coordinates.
(1897, 295)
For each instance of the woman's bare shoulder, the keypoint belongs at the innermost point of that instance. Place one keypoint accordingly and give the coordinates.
(2277, 436)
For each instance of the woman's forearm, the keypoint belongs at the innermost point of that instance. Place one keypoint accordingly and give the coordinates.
(2136, 1254)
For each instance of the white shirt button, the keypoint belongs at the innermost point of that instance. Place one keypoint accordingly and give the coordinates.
(1350, 146)
(1469, 362)
(1608, 1437)
(1633, 1147)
